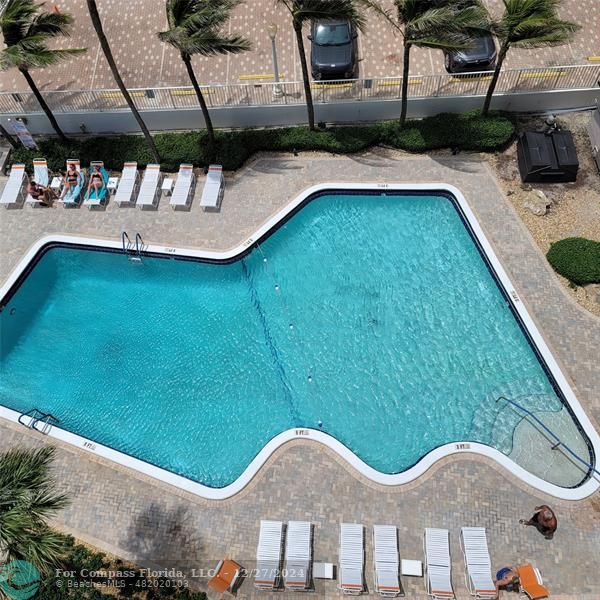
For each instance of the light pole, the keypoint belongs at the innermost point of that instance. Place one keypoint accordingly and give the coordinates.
(277, 89)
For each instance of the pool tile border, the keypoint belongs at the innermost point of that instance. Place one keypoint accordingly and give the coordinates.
(411, 474)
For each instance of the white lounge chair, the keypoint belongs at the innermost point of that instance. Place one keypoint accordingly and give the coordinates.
(72, 196)
(352, 559)
(149, 190)
(130, 179)
(13, 193)
(386, 560)
(438, 568)
(213, 188)
(298, 549)
(478, 574)
(41, 177)
(268, 555)
(181, 196)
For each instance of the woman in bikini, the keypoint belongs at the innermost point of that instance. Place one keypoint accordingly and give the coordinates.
(96, 181)
(71, 179)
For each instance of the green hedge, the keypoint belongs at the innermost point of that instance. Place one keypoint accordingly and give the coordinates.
(577, 259)
(470, 131)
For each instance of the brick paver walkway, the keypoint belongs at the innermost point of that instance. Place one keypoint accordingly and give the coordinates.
(145, 521)
(144, 61)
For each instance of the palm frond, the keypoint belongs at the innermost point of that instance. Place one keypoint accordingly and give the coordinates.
(311, 10)
(51, 24)
(533, 23)
(27, 31)
(211, 43)
(27, 500)
(195, 27)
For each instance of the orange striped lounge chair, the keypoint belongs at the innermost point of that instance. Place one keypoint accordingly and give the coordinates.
(531, 584)
(226, 576)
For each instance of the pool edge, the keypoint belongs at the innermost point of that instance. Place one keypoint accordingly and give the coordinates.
(411, 474)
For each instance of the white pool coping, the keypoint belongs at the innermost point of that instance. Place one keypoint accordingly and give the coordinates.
(583, 491)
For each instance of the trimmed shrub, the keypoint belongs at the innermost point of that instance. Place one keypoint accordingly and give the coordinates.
(470, 131)
(577, 259)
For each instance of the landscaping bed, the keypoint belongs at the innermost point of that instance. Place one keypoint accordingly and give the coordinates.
(573, 208)
(87, 574)
(468, 131)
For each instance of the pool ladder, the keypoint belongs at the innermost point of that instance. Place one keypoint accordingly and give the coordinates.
(38, 420)
(133, 250)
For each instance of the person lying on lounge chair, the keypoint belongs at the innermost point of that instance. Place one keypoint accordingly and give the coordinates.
(507, 579)
(42, 194)
(96, 182)
(71, 179)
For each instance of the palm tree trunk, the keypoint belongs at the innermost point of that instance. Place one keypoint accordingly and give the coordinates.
(307, 91)
(490, 92)
(11, 140)
(210, 132)
(405, 72)
(95, 17)
(43, 104)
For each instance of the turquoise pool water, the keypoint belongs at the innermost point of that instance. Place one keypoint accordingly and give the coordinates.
(371, 317)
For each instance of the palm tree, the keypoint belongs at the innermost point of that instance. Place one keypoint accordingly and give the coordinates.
(27, 500)
(527, 24)
(443, 24)
(303, 11)
(97, 23)
(196, 27)
(27, 31)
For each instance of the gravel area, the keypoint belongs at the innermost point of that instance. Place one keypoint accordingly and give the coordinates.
(574, 208)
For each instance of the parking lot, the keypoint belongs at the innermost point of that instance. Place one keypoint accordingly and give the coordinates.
(144, 61)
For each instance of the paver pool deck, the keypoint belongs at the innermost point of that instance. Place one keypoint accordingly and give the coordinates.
(152, 524)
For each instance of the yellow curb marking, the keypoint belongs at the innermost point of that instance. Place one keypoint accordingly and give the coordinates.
(254, 77)
(119, 96)
(190, 92)
(543, 74)
(396, 82)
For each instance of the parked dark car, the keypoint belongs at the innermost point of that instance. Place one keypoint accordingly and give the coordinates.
(334, 50)
(481, 56)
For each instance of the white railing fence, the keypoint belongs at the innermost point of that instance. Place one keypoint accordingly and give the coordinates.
(512, 81)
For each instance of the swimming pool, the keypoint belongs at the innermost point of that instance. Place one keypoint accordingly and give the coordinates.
(371, 317)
